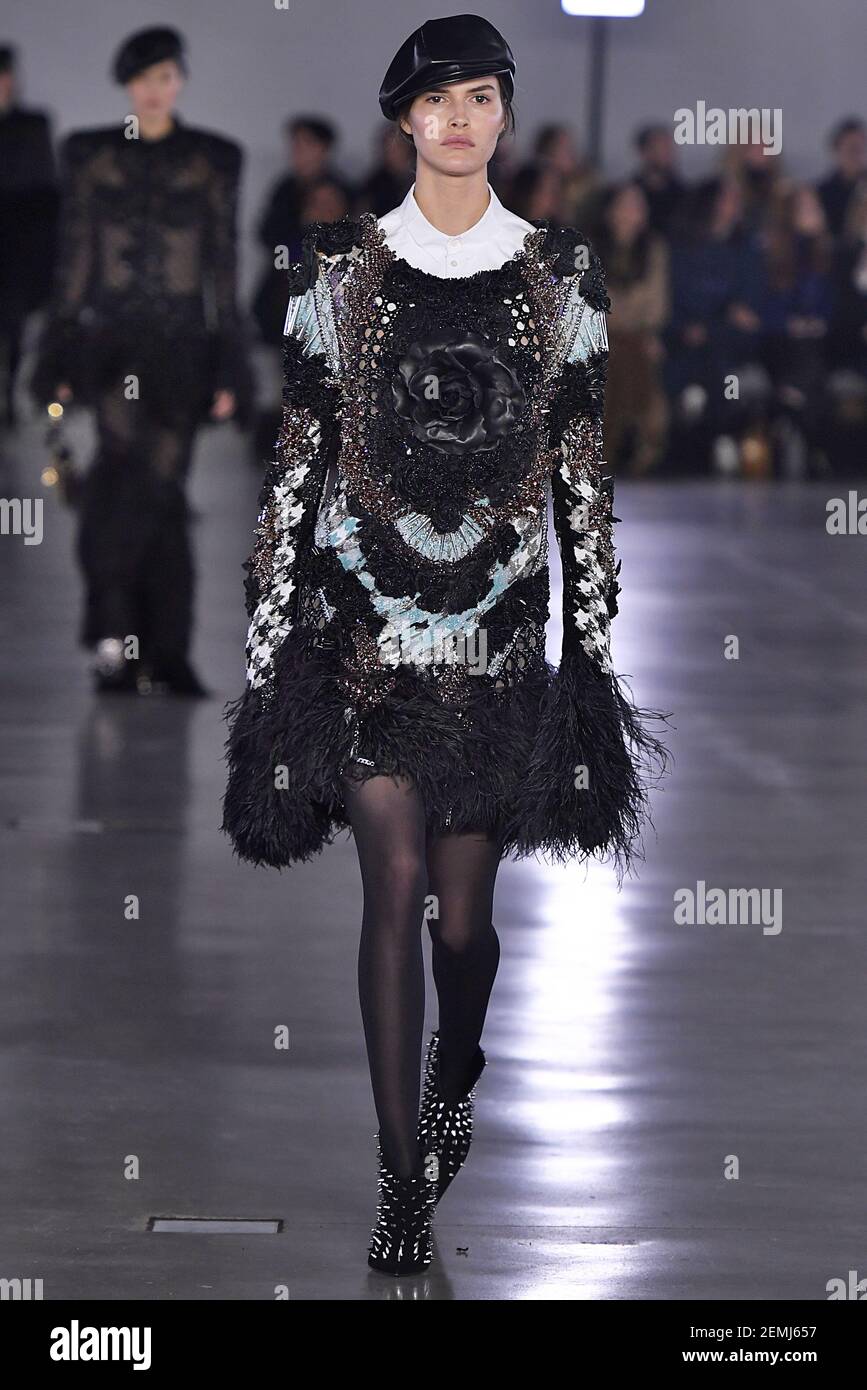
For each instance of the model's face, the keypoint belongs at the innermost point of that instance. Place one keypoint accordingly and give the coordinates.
(455, 127)
(7, 89)
(154, 92)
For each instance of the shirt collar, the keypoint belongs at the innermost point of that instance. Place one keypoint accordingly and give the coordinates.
(430, 238)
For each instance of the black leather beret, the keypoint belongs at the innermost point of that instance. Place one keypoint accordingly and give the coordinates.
(445, 50)
(145, 48)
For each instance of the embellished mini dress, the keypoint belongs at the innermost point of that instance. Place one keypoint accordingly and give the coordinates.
(397, 590)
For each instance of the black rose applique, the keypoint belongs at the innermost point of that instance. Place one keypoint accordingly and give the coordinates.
(456, 394)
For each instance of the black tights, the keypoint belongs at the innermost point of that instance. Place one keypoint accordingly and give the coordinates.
(402, 866)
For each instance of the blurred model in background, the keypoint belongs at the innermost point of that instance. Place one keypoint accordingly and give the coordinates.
(144, 329)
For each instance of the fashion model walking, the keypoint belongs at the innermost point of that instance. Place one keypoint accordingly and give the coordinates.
(443, 364)
(144, 330)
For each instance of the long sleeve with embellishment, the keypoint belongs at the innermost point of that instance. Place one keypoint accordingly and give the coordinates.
(292, 487)
(586, 787)
(61, 341)
(583, 493)
(220, 260)
(259, 812)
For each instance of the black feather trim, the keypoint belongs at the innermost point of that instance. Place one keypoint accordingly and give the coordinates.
(588, 720)
(505, 763)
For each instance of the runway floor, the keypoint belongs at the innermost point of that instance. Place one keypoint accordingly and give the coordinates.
(631, 1060)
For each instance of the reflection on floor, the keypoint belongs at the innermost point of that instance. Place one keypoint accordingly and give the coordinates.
(631, 1059)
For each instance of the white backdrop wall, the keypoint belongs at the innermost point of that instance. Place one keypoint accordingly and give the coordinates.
(253, 64)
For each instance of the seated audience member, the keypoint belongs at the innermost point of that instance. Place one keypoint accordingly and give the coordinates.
(760, 177)
(581, 186)
(636, 267)
(846, 433)
(848, 143)
(536, 192)
(796, 308)
(714, 337)
(657, 177)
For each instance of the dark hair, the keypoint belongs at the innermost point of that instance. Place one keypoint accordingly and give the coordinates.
(403, 110)
(7, 58)
(622, 267)
(326, 181)
(645, 134)
(522, 188)
(321, 130)
(546, 138)
(848, 126)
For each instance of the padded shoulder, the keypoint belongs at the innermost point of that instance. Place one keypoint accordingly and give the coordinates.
(80, 145)
(223, 153)
(571, 256)
(323, 239)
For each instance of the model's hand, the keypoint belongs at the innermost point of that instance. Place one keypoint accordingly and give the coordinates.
(223, 405)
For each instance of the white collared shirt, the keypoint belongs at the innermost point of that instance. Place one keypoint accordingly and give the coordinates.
(486, 245)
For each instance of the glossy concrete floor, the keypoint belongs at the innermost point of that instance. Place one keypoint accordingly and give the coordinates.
(632, 1061)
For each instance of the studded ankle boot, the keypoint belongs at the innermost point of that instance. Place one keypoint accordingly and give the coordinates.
(401, 1240)
(446, 1132)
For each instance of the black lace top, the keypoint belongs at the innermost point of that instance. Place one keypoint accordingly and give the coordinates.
(398, 588)
(147, 251)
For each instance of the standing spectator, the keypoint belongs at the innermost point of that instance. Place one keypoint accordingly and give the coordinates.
(311, 182)
(323, 200)
(849, 147)
(636, 266)
(657, 178)
(311, 143)
(28, 222)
